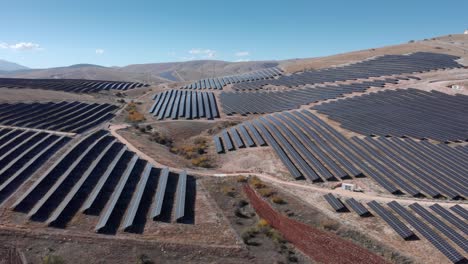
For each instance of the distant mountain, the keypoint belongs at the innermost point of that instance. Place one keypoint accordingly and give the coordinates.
(152, 73)
(11, 66)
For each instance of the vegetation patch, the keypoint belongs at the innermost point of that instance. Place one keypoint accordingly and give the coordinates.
(133, 115)
(196, 152)
(53, 259)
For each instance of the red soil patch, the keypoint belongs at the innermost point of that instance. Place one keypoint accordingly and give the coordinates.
(318, 245)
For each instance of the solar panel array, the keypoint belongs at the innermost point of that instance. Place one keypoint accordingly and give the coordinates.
(245, 103)
(434, 238)
(64, 116)
(311, 148)
(380, 66)
(450, 217)
(336, 203)
(177, 104)
(219, 82)
(395, 223)
(460, 211)
(244, 135)
(428, 225)
(22, 152)
(69, 85)
(441, 226)
(408, 112)
(99, 176)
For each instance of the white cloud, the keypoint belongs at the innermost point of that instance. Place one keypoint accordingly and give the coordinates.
(242, 53)
(242, 60)
(20, 46)
(203, 53)
(99, 51)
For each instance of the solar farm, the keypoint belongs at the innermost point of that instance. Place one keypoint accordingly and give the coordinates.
(369, 153)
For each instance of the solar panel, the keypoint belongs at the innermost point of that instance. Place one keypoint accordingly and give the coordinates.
(460, 211)
(180, 196)
(160, 192)
(357, 207)
(442, 245)
(440, 226)
(218, 144)
(335, 202)
(104, 218)
(136, 198)
(449, 217)
(91, 200)
(237, 138)
(227, 140)
(65, 202)
(391, 220)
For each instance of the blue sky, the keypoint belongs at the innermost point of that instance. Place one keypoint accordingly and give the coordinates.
(51, 33)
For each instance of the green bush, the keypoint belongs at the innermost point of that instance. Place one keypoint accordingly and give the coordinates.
(144, 259)
(53, 259)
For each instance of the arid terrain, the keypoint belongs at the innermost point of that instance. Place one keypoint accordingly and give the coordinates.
(220, 224)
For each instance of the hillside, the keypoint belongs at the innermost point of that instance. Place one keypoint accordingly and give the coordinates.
(154, 73)
(11, 66)
(456, 44)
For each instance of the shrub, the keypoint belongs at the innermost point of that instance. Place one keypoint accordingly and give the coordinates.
(266, 192)
(144, 259)
(276, 236)
(238, 212)
(330, 225)
(135, 116)
(53, 259)
(262, 223)
(229, 191)
(199, 141)
(257, 183)
(202, 162)
(241, 179)
(248, 234)
(278, 200)
(160, 138)
(242, 203)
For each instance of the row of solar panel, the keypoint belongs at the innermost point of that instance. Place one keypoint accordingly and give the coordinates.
(219, 82)
(22, 152)
(403, 112)
(267, 102)
(436, 224)
(381, 66)
(64, 116)
(242, 138)
(99, 176)
(311, 148)
(176, 104)
(69, 85)
(285, 85)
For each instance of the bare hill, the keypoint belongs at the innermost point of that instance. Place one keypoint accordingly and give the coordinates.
(11, 66)
(153, 73)
(174, 72)
(452, 44)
